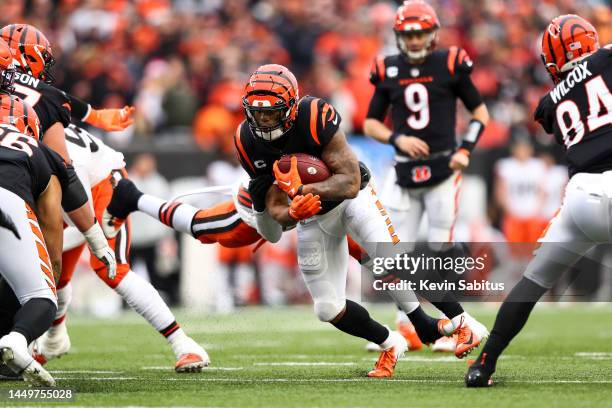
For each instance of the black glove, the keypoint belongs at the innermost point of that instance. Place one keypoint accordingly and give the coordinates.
(7, 222)
(365, 175)
(258, 188)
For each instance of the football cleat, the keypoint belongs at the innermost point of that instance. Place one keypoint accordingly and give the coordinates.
(385, 365)
(14, 353)
(407, 330)
(53, 344)
(467, 340)
(479, 374)
(190, 356)
(6, 374)
(123, 203)
(477, 327)
(445, 344)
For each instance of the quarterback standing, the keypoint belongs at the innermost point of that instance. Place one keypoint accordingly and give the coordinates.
(421, 85)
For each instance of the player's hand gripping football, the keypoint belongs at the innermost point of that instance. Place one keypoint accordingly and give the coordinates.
(289, 182)
(304, 206)
(412, 146)
(111, 120)
(460, 160)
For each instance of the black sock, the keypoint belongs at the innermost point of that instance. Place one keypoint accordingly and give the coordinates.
(511, 318)
(425, 325)
(9, 304)
(356, 321)
(125, 199)
(34, 318)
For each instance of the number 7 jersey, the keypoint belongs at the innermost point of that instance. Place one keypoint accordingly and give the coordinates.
(578, 111)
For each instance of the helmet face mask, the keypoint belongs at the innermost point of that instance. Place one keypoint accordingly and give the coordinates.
(270, 101)
(416, 29)
(31, 50)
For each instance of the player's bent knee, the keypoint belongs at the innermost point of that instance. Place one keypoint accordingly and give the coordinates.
(327, 311)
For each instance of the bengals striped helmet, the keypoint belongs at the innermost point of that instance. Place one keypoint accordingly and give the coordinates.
(270, 101)
(31, 50)
(416, 17)
(17, 113)
(567, 40)
(7, 68)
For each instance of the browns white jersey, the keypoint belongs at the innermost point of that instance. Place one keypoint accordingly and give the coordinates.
(92, 159)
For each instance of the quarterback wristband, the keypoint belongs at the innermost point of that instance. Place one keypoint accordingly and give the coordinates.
(393, 138)
(472, 135)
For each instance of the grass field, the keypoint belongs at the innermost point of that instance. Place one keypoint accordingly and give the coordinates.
(265, 357)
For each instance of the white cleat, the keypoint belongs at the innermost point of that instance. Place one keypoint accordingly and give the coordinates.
(477, 328)
(445, 345)
(53, 344)
(14, 353)
(190, 356)
(373, 347)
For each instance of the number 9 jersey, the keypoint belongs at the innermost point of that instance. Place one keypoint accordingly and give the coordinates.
(578, 111)
(423, 96)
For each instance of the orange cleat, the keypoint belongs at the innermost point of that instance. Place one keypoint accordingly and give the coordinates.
(385, 365)
(407, 330)
(467, 341)
(190, 363)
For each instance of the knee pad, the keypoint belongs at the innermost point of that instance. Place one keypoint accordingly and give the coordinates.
(327, 311)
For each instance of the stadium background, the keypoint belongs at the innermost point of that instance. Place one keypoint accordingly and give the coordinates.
(183, 64)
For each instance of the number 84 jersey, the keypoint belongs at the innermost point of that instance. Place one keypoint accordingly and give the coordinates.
(423, 97)
(578, 111)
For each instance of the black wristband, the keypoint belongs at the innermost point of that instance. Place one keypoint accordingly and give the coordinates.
(393, 139)
(472, 135)
(300, 189)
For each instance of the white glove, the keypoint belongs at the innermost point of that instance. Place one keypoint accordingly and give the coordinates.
(99, 248)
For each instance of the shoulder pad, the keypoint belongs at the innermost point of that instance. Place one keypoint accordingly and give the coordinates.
(458, 60)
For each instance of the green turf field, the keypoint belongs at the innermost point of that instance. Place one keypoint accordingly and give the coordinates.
(265, 357)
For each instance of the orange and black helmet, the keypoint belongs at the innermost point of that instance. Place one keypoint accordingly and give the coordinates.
(567, 40)
(17, 113)
(7, 68)
(272, 89)
(416, 16)
(31, 50)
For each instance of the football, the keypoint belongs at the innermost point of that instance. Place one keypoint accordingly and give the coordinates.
(310, 168)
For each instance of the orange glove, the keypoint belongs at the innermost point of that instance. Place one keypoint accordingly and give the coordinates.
(111, 120)
(289, 182)
(303, 207)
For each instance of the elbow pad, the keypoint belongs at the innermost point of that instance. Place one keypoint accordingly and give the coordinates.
(267, 227)
(73, 192)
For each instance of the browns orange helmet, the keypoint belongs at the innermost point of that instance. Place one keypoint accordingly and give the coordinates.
(31, 50)
(17, 113)
(566, 41)
(416, 17)
(7, 68)
(270, 101)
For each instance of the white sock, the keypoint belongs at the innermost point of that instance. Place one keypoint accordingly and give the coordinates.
(388, 342)
(177, 216)
(146, 301)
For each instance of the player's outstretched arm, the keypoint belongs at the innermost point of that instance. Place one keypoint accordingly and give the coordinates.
(49, 216)
(344, 166)
(111, 120)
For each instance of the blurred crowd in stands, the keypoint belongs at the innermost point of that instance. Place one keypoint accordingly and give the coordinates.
(183, 64)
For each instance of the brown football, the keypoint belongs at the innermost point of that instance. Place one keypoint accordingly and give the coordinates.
(310, 168)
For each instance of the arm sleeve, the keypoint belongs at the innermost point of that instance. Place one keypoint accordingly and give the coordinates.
(267, 227)
(379, 105)
(80, 109)
(461, 67)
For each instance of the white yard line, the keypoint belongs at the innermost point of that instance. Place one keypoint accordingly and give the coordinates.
(303, 363)
(168, 368)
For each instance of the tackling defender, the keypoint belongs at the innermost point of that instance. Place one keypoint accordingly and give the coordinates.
(578, 111)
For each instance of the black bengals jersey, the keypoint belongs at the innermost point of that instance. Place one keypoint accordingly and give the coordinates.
(315, 124)
(578, 111)
(51, 104)
(423, 100)
(26, 165)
